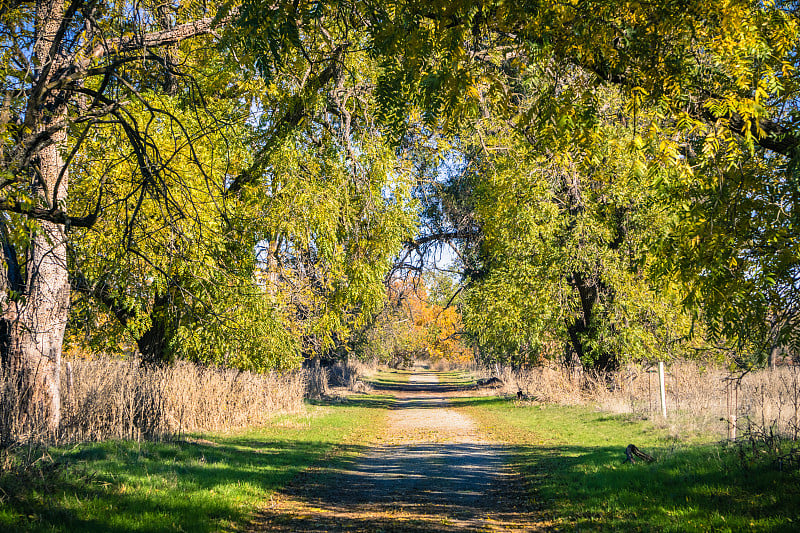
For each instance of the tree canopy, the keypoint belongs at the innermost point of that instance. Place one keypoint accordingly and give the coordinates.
(692, 105)
(239, 183)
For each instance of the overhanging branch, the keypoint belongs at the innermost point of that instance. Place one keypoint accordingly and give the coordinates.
(50, 215)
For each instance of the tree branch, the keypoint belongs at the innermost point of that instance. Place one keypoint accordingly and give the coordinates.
(444, 236)
(102, 294)
(290, 119)
(767, 133)
(176, 34)
(50, 215)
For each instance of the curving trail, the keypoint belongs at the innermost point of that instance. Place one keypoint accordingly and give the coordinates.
(431, 471)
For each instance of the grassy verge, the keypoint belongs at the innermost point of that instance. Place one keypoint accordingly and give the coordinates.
(390, 378)
(202, 483)
(572, 458)
(456, 378)
(399, 379)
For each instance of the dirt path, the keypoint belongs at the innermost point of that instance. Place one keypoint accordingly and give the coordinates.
(431, 470)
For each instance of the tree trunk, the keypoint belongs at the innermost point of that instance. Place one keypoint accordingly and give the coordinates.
(34, 318)
(774, 353)
(154, 343)
(584, 328)
(32, 330)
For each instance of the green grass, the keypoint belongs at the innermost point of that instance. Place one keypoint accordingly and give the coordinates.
(199, 484)
(457, 378)
(572, 458)
(390, 378)
(397, 379)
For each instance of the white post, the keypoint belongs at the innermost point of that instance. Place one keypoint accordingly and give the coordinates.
(733, 399)
(661, 385)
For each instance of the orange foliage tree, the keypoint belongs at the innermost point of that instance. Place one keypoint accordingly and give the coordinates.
(428, 328)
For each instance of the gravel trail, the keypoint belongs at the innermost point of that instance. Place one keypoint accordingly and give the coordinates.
(431, 470)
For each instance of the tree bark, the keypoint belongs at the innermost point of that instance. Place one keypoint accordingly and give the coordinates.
(584, 327)
(154, 343)
(34, 318)
(32, 330)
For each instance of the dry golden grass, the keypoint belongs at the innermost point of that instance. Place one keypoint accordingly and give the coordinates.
(699, 398)
(338, 379)
(116, 398)
(105, 398)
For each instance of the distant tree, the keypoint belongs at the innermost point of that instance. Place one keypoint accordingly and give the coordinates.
(425, 326)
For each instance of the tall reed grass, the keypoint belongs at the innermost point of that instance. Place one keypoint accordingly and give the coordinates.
(105, 398)
(342, 375)
(699, 398)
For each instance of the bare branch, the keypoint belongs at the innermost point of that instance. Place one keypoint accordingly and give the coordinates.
(50, 215)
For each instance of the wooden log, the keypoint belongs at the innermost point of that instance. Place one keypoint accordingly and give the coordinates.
(632, 451)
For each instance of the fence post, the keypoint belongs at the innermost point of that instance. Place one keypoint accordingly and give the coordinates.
(733, 400)
(661, 385)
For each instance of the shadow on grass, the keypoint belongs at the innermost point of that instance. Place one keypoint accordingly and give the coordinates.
(465, 401)
(429, 401)
(167, 486)
(446, 382)
(687, 489)
(421, 387)
(359, 400)
(443, 488)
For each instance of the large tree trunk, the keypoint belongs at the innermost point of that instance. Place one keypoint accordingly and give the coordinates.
(583, 328)
(34, 318)
(154, 343)
(32, 331)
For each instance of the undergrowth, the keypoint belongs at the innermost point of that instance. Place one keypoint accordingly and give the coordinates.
(699, 398)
